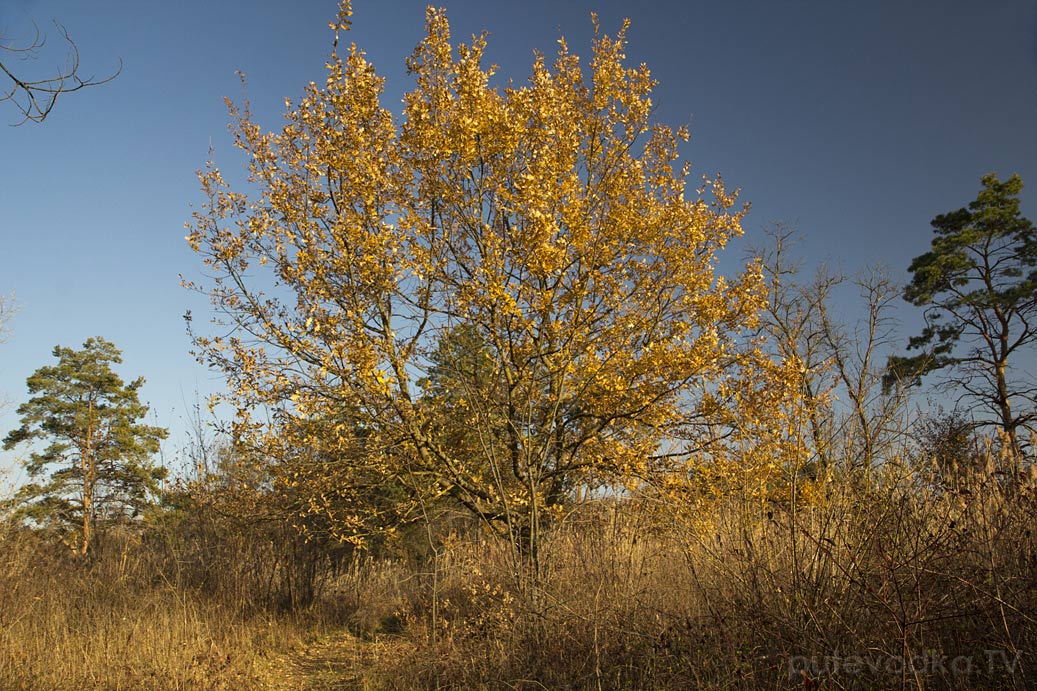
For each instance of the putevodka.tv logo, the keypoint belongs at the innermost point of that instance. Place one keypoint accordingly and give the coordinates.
(931, 663)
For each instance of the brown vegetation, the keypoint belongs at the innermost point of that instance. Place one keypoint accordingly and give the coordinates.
(902, 563)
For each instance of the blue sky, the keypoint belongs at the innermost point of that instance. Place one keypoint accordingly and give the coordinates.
(855, 122)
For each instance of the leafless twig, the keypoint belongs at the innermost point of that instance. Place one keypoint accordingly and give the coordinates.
(35, 98)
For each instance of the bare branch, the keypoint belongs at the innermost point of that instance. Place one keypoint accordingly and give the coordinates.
(7, 309)
(36, 98)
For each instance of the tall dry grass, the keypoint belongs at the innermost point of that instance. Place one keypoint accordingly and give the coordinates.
(892, 579)
(119, 621)
(906, 577)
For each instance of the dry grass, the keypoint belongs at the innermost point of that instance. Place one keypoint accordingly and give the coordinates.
(117, 623)
(880, 568)
(887, 581)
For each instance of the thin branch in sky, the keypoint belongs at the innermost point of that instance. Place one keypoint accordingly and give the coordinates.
(35, 98)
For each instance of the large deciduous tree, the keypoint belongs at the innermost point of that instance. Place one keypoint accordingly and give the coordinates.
(506, 293)
(978, 285)
(97, 462)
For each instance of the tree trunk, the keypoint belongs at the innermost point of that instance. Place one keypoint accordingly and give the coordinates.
(1007, 422)
(87, 465)
(87, 508)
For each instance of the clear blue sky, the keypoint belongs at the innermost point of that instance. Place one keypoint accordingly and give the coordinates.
(857, 122)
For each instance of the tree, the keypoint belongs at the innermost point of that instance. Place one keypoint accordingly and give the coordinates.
(544, 229)
(7, 310)
(978, 285)
(851, 418)
(98, 456)
(35, 97)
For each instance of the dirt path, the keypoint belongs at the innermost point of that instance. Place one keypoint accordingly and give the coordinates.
(333, 662)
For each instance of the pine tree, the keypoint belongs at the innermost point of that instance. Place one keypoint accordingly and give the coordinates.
(978, 286)
(96, 466)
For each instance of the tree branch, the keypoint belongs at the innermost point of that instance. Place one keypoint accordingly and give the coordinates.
(36, 98)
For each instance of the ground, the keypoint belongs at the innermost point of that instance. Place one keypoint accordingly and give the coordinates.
(333, 661)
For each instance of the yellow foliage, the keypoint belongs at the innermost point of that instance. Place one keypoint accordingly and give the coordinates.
(550, 220)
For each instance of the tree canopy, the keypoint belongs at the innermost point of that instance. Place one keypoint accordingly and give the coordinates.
(502, 294)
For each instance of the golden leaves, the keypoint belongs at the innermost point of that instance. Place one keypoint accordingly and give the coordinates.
(548, 222)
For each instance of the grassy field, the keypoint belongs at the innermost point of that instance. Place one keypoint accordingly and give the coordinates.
(883, 581)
